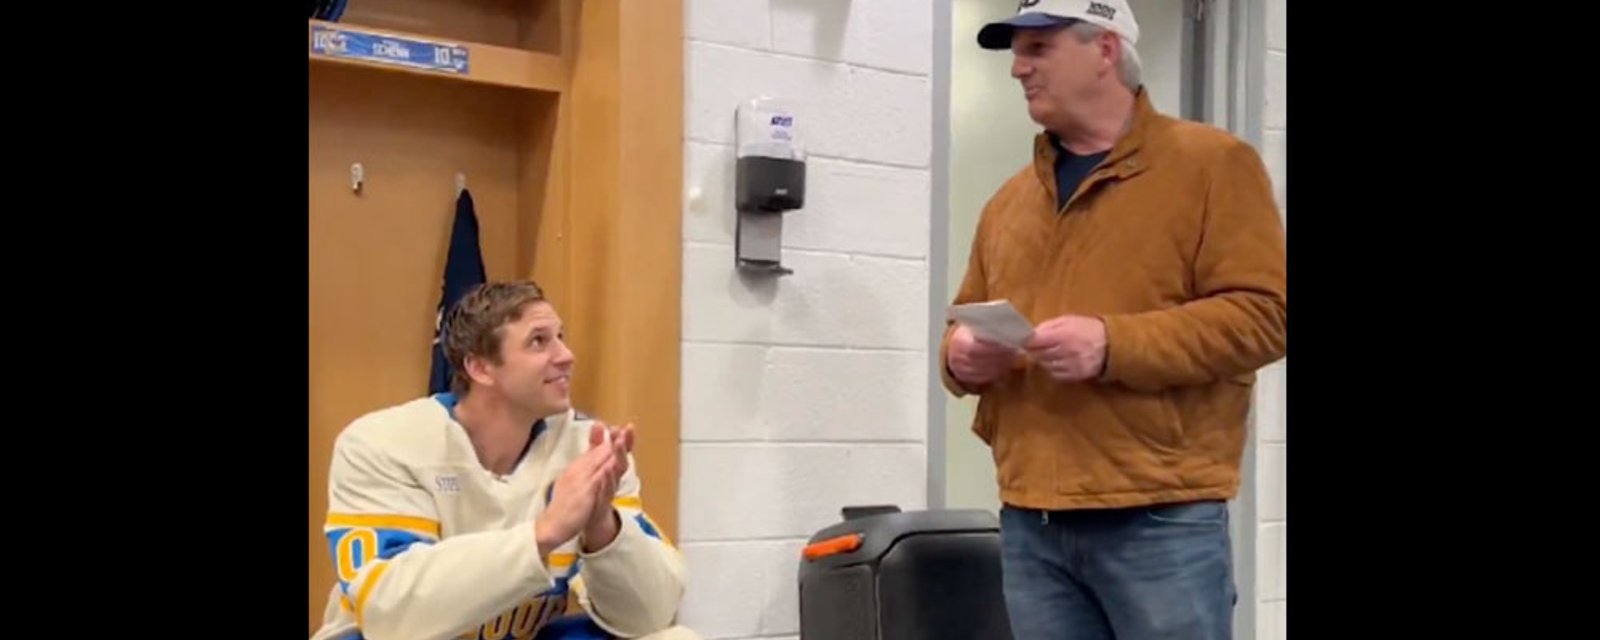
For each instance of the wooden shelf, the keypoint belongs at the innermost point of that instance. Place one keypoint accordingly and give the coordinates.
(348, 44)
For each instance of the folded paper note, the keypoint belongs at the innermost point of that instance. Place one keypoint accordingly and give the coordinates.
(995, 321)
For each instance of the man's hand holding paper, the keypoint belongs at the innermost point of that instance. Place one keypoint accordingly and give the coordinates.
(988, 338)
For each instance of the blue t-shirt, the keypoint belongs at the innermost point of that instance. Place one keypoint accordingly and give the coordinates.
(1071, 169)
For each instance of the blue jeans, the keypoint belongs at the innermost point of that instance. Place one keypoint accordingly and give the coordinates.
(1148, 573)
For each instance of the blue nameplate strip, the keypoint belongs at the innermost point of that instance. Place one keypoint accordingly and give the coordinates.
(386, 49)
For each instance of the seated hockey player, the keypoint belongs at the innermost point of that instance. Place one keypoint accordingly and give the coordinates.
(472, 514)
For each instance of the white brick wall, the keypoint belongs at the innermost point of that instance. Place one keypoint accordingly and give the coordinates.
(807, 393)
(1272, 433)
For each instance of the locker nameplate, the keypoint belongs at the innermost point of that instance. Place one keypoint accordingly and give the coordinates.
(387, 49)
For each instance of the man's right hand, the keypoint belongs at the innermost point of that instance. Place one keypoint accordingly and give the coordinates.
(975, 362)
(573, 499)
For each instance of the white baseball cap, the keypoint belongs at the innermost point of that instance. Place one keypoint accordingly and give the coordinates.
(1112, 15)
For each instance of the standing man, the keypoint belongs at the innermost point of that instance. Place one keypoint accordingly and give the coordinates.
(473, 514)
(1149, 254)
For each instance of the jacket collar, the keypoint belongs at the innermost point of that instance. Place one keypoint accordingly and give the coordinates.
(1122, 161)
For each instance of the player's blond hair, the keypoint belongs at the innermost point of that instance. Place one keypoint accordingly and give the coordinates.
(476, 325)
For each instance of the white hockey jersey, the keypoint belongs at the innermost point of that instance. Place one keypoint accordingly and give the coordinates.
(429, 545)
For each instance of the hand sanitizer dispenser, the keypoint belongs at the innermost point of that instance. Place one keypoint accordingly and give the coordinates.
(770, 179)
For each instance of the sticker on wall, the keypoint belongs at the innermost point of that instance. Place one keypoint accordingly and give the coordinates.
(386, 49)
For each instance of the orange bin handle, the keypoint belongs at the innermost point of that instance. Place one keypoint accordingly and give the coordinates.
(832, 546)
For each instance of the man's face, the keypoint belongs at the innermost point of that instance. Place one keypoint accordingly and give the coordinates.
(1058, 72)
(535, 366)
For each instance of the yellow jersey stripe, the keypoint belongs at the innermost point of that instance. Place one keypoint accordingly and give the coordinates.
(376, 521)
(629, 502)
(562, 560)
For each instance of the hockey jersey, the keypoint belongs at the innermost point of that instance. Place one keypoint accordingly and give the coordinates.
(429, 545)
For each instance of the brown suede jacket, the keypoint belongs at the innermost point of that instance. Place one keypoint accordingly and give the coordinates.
(1174, 241)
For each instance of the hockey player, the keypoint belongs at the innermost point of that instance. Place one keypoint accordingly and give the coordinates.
(474, 513)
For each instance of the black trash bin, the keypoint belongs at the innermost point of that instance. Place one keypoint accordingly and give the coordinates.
(883, 574)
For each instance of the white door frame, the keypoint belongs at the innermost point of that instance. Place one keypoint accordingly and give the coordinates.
(1225, 85)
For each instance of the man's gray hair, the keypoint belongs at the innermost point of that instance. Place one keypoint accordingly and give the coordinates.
(1128, 68)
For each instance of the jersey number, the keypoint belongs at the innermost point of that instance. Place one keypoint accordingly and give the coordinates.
(519, 623)
(355, 549)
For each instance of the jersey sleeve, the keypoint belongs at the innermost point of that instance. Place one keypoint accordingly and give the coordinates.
(398, 578)
(633, 586)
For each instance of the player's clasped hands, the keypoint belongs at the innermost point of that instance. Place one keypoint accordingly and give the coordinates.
(611, 445)
(581, 498)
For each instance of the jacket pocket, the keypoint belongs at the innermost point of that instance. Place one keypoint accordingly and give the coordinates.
(1169, 430)
(983, 422)
(986, 424)
(1152, 418)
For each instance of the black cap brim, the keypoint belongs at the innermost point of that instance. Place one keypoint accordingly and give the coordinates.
(997, 35)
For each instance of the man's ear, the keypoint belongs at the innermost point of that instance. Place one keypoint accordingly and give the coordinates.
(478, 370)
(1111, 48)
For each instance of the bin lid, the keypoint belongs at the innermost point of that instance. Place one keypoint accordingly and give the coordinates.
(867, 538)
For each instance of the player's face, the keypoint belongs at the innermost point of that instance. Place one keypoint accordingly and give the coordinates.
(535, 364)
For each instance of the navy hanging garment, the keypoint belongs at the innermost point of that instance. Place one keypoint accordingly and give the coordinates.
(463, 270)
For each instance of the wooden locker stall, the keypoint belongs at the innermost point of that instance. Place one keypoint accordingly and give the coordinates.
(566, 125)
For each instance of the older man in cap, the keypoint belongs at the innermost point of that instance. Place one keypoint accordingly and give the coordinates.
(1149, 255)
